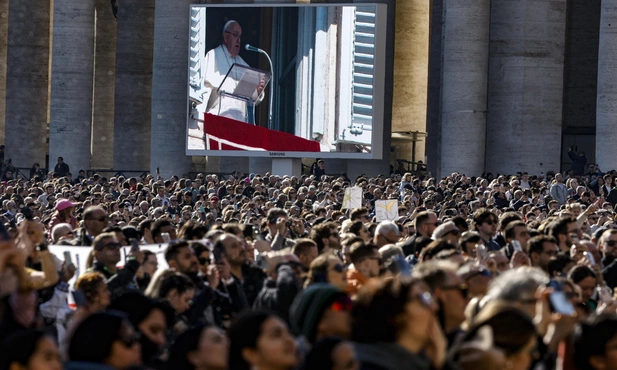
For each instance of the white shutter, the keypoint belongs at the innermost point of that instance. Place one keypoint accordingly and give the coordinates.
(359, 129)
(197, 52)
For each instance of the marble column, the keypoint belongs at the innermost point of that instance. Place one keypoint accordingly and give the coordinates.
(411, 56)
(464, 86)
(27, 82)
(4, 32)
(70, 125)
(606, 109)
(133, 95)
(525, 90)
(104, 86)
(169, 87)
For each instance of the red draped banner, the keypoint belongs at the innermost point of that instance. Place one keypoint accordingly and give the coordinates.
(227, 134)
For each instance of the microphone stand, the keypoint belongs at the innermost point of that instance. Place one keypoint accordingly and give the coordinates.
(253, 48)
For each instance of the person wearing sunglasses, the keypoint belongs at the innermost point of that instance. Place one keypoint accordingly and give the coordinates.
(450, 292)
(607, 243)
(104, 341)
(106, 250)
(399, 327)
(327, 269)
(485, 223)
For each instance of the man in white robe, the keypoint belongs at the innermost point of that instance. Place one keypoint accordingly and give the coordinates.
(217, 63)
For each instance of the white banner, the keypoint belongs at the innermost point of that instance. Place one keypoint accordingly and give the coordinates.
(353, 198)
(386, 210)
(79, 256)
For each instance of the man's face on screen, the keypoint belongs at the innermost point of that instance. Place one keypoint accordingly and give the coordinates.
(232, 38)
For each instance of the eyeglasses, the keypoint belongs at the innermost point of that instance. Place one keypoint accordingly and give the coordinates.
(203, 260)
(463, 288)
(129, 340)
(336, 235)
(100, 219)
(490, 222)
(234, 35)
(112, 245)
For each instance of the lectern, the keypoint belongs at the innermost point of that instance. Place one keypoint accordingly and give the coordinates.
(238, 92)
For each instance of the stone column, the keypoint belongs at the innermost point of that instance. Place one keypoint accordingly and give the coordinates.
(464, 78)
(433, 114)
(169, 87)
(27, 82)
(4, 31)
(104, 86)
(411, 55)
(133, 95)
(606, 109)
(70, 125)
(525, 88)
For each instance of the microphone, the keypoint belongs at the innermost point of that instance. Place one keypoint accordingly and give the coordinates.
(249, 47)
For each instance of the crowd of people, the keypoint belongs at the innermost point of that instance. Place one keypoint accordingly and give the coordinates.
(269, 272)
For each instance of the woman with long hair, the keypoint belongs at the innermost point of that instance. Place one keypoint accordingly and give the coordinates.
(261, 340)
(204, 347)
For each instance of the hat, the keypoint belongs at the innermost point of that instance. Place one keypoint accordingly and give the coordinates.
(443, 229)
(214, 198)
(308, 308)
(64, 204)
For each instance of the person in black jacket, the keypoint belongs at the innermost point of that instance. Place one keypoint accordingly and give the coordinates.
(107, 255)
(281, 287)
(61, 169)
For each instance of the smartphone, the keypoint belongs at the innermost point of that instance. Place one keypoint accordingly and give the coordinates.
(590, 258)
(202, 209)
(558, 301)
(218, 256)
(481, 251)
(134, 245)
(67, 258)
(79, 297)
(516, 245)
(574, 238)
(165, 237)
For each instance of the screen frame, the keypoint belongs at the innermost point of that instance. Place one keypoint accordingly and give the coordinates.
(379, 89)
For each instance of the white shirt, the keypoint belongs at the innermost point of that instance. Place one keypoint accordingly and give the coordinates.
(217, 64)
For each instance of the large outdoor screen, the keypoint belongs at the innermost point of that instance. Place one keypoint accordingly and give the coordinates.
(294, 80)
